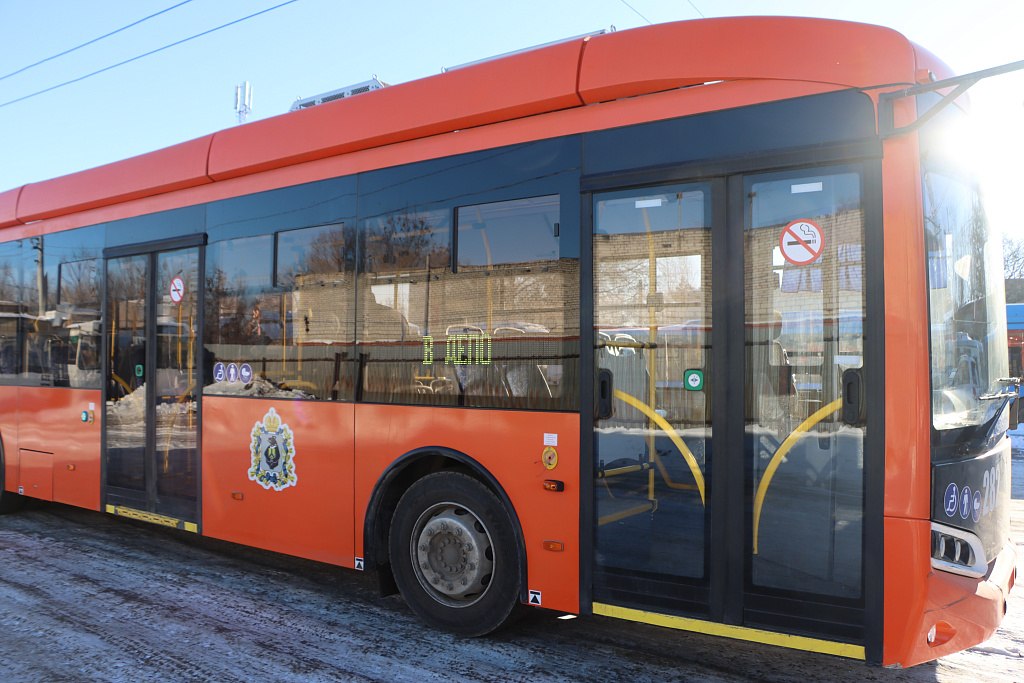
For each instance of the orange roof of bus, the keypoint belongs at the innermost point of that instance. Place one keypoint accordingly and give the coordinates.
(571, 74)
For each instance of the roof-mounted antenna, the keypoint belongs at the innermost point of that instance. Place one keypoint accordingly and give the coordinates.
(243, 101)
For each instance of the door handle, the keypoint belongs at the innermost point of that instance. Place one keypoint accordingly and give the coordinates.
(603, 404)
(854, 405)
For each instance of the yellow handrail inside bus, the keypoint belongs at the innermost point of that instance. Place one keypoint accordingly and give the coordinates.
(787, 445)
(667, 478)
(120, 381)
(667, 428)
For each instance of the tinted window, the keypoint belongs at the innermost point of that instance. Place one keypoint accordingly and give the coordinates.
(245, 321)
(285, 332)
(757, 129)
(500, 332)
(966, 298)
(405, 259)
(74, 272)
(512, 310)
(517, 231)
(320, 203)
(13, 322)
(315, 275)
(187, 220)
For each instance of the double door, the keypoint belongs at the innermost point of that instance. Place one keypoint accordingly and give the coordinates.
(729, 471)
(152, 353)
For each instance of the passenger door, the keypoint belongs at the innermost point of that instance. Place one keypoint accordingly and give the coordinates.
(729, 471)
(151, 391)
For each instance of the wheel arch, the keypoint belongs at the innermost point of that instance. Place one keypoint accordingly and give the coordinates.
(3, 460)
(396, 480)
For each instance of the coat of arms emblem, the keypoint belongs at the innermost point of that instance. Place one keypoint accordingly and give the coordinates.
(273, 453)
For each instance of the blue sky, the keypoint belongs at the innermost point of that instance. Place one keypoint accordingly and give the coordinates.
(311, 46)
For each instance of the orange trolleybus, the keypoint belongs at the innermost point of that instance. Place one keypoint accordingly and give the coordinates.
(698, 324)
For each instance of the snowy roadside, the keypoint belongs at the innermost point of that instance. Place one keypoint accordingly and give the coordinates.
(90, 597)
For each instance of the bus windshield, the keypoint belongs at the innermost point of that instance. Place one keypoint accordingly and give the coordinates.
(965, 280)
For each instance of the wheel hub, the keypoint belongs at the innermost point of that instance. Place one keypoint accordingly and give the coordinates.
(451, 551)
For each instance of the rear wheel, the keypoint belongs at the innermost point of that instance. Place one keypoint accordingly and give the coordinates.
(453, 553)
(9, 502)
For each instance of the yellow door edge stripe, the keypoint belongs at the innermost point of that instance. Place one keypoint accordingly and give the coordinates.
(754, 635)
(152, 518)
(670, 431)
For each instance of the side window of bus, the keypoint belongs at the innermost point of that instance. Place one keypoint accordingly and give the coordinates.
(35, 333)
(315, 272)
(73, 341)
(281, 332)
(13, 324)
(514, 293)
(500, 330)
(405, 263)
(57, 338)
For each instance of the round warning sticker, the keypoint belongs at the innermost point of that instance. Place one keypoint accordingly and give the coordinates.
(177, 290)
(550, 458)
(802, 242)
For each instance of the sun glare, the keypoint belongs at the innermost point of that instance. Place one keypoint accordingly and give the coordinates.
(999, 153)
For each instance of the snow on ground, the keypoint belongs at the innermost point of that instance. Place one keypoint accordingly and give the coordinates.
(90, 597)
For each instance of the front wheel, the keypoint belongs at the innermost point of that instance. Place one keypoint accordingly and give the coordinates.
(453, 553)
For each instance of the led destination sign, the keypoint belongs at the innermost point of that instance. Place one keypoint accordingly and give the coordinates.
(461, 349)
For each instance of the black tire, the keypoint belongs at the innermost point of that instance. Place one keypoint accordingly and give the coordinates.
(454, 555)
(9, 502)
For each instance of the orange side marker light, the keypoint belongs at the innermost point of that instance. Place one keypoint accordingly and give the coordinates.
(940, 633)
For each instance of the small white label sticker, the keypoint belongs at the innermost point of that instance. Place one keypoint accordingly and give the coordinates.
(551, 439)
(92, 406)
(535, 598)
(359, 564)
(805, 187)
(648, 203)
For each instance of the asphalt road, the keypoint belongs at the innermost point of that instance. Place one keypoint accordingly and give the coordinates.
(90, 597)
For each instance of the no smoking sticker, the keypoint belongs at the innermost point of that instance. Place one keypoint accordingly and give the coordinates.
(802, 242)
(177, 290)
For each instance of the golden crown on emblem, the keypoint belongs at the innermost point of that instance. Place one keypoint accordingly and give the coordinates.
(271, 421)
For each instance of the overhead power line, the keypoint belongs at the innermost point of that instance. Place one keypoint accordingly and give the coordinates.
(695, 9)
(635, 10)
(94, 40)
(144, 54)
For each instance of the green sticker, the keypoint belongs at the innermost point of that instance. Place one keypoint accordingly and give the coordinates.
(693, 380)
(139, 371)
